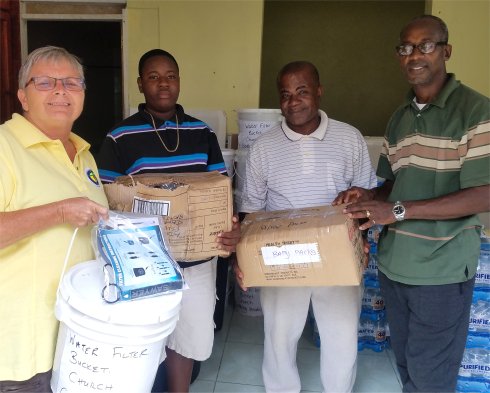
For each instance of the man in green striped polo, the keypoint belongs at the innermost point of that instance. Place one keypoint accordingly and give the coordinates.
(436, 162)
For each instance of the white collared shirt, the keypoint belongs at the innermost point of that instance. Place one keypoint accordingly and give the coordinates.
(287, 170)
(319, 133)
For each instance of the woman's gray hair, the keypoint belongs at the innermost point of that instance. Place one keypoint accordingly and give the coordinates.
(48, 53)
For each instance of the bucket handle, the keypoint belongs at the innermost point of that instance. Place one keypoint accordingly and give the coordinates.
(109, 286)
(106, 287)
(235, 171)
(65, 263)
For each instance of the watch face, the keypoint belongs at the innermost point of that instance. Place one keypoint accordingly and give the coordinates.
(398, 209)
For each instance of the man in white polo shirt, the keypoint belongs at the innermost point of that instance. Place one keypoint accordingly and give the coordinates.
(306, 161)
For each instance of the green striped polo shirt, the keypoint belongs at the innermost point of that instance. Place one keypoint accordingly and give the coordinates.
(427, 153)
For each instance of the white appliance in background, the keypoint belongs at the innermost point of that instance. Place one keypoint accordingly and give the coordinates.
(374, 144)
(214, 118)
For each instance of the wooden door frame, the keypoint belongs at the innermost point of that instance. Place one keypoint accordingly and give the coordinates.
(10, 59)
(66, 10)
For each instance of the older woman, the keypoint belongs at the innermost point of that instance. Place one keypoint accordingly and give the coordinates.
(49, 185)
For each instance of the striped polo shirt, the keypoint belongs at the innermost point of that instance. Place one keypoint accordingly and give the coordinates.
(430, 152)
(133, 147)
(288, 170)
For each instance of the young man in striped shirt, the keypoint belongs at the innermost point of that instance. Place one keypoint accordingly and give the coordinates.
(162, 138)
(306, 161)
(436, 162)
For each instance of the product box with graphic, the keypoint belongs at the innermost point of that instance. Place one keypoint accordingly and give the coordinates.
(318, 246)
(136, 257)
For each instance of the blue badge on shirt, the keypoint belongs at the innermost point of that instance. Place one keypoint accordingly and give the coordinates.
(92, 177)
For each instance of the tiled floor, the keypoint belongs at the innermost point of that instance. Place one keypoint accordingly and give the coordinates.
(235, 365)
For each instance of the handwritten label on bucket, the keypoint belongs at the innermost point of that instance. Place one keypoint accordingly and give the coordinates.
(251, 130)
(87, 365)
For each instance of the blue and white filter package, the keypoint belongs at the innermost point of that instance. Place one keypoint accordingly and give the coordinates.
(136, 257)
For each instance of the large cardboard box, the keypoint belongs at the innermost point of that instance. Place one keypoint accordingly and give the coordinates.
(318, 246)
(196, 206)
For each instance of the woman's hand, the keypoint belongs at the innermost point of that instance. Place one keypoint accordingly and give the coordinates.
(80, 212)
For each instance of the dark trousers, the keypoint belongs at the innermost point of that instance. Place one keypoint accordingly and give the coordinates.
(39, 383)
(428, 328)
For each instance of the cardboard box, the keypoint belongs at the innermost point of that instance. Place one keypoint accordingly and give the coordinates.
(196, 206)
(318, 246)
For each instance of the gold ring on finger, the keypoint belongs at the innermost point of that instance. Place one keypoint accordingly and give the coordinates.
(374, 222)
(368, 213)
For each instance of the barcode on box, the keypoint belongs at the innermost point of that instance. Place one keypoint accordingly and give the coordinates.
(150, 206)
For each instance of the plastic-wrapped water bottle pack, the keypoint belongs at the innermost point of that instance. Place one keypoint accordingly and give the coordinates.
(373, 328)
(474, 372)
(482, 279)
(372, 331)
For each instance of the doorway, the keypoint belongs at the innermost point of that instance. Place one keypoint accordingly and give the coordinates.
(98, 45)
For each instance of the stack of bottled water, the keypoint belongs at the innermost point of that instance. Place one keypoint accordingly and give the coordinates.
(474, 372)
(372, 321)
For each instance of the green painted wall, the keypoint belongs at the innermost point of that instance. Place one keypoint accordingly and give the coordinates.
(230, 50)
(468, 22)
(351, 43)
(216, 43)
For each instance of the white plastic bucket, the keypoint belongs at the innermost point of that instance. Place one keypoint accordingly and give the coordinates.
(229, 158)
(103, 346)
(254, 122)
(240, 174)
(248, 303)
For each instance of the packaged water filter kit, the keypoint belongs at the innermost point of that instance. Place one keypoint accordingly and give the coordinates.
(136, 257)
(117, 311)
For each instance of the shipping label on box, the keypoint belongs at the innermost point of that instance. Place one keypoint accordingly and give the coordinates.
(196, 206)
(318, 246)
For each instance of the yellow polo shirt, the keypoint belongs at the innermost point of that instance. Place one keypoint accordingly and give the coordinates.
(35, 170)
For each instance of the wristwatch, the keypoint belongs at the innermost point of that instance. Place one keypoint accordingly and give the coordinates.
(399, 211)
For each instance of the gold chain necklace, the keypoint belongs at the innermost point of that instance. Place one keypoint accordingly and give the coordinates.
(161, 129)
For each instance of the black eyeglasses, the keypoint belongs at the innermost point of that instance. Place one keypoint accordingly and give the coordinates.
(424, 47)
(45, 83)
